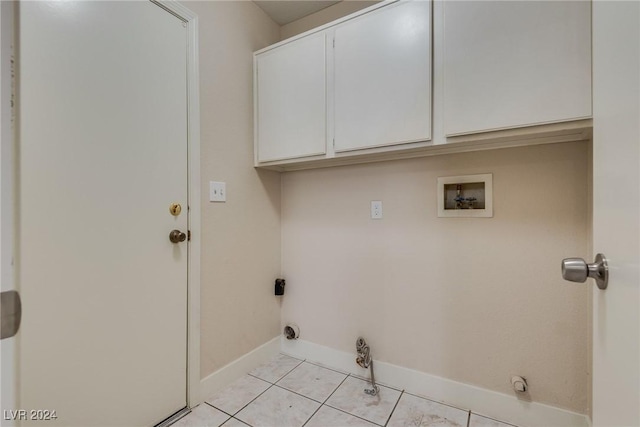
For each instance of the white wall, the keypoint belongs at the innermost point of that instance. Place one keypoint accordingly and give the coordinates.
(240, 238)
(473, 300)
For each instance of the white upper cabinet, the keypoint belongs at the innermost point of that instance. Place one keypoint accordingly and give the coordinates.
(290, 100)
(505, 73)
(511, 64)
(382, 77)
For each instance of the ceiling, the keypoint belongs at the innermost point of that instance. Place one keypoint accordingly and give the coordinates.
(283, 12)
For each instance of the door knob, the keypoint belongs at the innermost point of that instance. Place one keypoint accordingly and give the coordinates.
(177, 236)
(577, 270)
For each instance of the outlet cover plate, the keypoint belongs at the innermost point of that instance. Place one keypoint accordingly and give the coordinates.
(376, 209)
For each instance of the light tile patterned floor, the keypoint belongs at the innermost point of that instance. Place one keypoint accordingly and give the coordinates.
(287, 392)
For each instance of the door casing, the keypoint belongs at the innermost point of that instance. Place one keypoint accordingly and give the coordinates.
(7, 205)
(193, 138)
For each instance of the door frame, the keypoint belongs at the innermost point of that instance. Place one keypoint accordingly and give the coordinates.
(193, 185)
(9, 142)
(8, 384)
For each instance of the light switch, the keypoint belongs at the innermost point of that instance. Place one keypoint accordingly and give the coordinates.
(217, 191)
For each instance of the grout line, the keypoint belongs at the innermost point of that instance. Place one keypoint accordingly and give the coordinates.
(308, 397)
(290, 370)
(314, 412)
(489, 418)
(288, 355)
(436, 401)
(345, 412)
(271, 385)
(325, 367)
(336, 389)
(269, 382)
(368, 380)
(218, 409)
(284, 375)
(299, 394)
(394, 408)
(251, 401)
(353, 415)
(238, 420)
(325, 401)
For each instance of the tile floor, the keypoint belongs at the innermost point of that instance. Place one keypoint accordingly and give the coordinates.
(287, 392)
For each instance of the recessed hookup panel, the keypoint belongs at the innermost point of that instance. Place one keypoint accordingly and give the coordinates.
(465, 196)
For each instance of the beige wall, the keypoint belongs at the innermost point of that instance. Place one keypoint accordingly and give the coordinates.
(240, 238)
(473, 300)
(323, 16)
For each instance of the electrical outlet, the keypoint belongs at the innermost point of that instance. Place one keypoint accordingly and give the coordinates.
(376, 209)
(217, 191)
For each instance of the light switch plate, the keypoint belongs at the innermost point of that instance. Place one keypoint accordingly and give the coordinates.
(217, 191)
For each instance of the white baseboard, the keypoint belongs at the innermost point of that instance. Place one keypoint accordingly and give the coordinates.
(481, 401)
(239, 367)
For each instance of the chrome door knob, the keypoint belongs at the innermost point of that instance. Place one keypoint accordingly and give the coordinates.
(577, 270)
(177, 236)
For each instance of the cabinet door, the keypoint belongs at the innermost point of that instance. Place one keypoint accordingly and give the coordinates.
(291, 100)
(515, 63)
(382, 77)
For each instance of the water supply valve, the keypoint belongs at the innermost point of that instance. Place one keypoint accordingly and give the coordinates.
(519, 384)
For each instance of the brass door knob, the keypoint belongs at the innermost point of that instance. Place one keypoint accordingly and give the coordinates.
(177, 236)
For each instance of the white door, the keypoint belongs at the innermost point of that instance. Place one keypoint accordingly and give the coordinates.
(616, 212)
(102, 111)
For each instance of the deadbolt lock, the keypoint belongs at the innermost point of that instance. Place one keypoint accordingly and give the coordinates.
(175, 209)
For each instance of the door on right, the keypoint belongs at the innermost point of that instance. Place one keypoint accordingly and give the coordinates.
(616, 212)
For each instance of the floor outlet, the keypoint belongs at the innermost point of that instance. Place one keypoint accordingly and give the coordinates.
(376, 209)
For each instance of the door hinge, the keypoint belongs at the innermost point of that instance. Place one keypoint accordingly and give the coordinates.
(11, 309)
(188, 235)
(334, 42)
